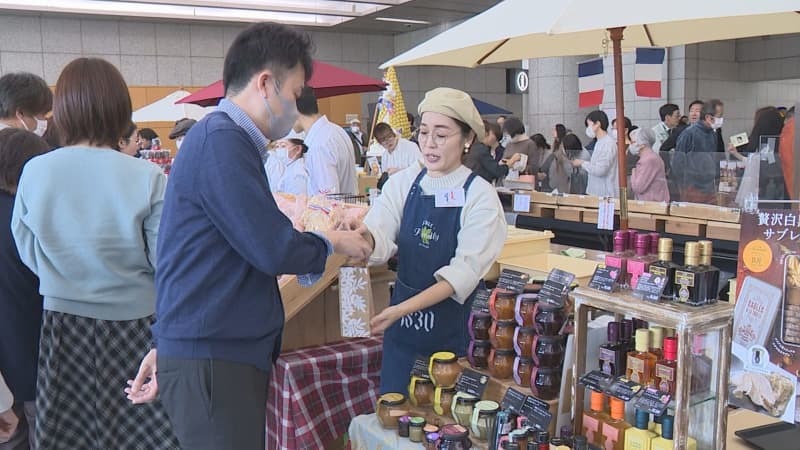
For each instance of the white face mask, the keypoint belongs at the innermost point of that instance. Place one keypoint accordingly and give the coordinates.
(613, 133)
(279, 126)
(590, 132)
(179, 142)
(506, 137)
(717, 123)
(41, 126)
(283, 154)
(635, 148)
(355, 130)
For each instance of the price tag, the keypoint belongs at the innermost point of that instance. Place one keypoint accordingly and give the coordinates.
(537, 412)
(605, 214)
(556, 287)
(481, 301)
(472, 382)
(597, 381)
(653, 401)
(513, 401)
(522, 203)
(604, 279)
(450, 198)
(623, 389)
(420, 368)
(513, 281)
(650, 287)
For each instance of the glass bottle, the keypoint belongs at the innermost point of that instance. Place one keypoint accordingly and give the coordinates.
(613, 353)
(667, 368)
(580, 443)
(630, 243)
(657, 341)
(690, 281)
(654, 241)
(641, 362)
(594, 418)
(639, 437)
(614, 429)
(664, 267)
(619, 259)
(543, 439)
(702, 366)
(706, 252)
(627, 335)
(665, 441)
(640, 263)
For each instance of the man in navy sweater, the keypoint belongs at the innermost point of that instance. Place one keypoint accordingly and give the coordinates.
(222, 243)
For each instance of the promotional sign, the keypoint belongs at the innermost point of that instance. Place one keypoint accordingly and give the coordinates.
(766, 325)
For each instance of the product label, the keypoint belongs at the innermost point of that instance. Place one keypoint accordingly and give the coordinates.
(650, 287)
(472, 382)
(660, 271)
(481, 301)
(684, 278)
(636, 269)
(636, 368)
(513, 400)
(604, 279)
(556, 287)
(612, 436)
(597, 381)
(513, 281)
(653, 401)
(623, 389)
(420, 368)
(537, 412)
(607, 360)
(665, 372)
(591, 426)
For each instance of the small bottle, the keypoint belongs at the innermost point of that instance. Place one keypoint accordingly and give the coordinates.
(613, 353)
(654, 240)
(706, 251)
(627, 336)
(630, 243)
(702, 367)
(665, 441)
(543, 440)
(619, 259)
(657, 341)
(664, 267)
(580, 443)
(667, 368)
(640, 263)
(515, 446)
(641, 362)
(614, 429)
(691, 280)
(639, 437)
(594, 419)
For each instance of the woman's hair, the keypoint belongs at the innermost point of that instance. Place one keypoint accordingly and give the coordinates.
(767, 122)
(571, 142)
(540, 141)
(561, 131)
(598, 116)
(494, 128)
(644, 136)
(513, 126)
(148, 133)
(299, 142)
(129, 130)
(17, 147)
(91, 103)
(51, 135)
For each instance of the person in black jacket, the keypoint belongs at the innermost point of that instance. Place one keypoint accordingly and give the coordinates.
(479, 158)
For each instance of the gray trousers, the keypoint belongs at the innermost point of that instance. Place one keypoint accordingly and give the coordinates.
(213, 404)
(26, 431)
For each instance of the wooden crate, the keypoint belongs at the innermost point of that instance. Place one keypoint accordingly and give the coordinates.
(641, 206)
(686, 226)
(649, 222)
(591, 216)
(539, 266)
(704, 212)
(546, 211)
(584, 201)
(544, 198)
(569, 213)
(723, 230)
(521, 242)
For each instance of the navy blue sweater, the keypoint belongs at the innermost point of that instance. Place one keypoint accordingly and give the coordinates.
(20, 313)
(221, 244)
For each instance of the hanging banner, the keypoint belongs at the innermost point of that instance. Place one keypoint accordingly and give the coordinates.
(766, 327)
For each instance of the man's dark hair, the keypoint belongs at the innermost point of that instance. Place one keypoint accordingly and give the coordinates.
(16, 148)
(263, 46)
(513, 126)
(147, 133)
(709, 109)
(667, 110)
(716, 102)
(25, 92)
(383, 130)
(307, 104)
(410, 118)
(696, 102)
(598, 116)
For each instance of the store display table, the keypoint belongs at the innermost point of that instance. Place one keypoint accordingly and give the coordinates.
(314, 393)
(366, 433)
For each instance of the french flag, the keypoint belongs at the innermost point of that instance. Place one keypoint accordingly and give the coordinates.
(648, 72)
(590, 83)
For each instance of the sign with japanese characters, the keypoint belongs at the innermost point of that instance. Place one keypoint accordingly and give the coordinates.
(766, 325)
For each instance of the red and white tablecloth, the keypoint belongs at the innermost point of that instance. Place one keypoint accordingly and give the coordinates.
(315, 392)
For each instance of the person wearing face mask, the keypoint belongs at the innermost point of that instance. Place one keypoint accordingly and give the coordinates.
(222, 244)
(25, 100)
(695, 167)
(180, 129)
(648, 180)
(719, 111)
(355, 130)
(294, 179)
(603, 167)
(128, 143)
(446, 225)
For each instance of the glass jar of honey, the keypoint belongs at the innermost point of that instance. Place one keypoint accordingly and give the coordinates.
(390, 408)
(548, 351)
(549, 319)
(444, 369)
(502, 334)
(525, 308)
(502, 303)
(546, 383)
(479, 325)
(501, 363)
(478, 354)
(420, 391)
(523, 367)
(524, 338)
(443, 400)
(463, 407)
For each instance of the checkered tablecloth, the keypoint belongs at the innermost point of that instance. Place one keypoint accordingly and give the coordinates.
(315, 393)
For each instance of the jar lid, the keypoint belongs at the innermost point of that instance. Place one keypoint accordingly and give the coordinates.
(487, 406)
(430, 428)
(392, 399)
(525, 359)
(449, 390)
(467, 399)
(528, 298)
(504, 352)
(544, 306)
(505, 293)
(453, 432)
(432, 438)
(424, 381)
(405, 419)
(444, 357)
(417, 422)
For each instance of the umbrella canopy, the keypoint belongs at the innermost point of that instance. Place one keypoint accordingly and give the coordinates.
(579, 27)
(165, 110)
(328, 81)
(487, 109)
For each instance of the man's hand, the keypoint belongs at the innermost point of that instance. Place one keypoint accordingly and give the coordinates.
(8, 425)
(144, 388)
(353, 244)
(577, 162)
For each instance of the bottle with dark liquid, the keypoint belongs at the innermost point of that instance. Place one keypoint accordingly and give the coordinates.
(619, 259)
(664, 267)
(627, 335)
(706, 251)
(613, 353)
(691, 280)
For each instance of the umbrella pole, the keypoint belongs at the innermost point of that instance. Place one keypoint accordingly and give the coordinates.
(616, 39)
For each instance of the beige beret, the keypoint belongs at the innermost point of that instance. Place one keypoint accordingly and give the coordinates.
(454, 104)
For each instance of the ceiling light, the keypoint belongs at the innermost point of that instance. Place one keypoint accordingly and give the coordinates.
(337, 7)
(393, 19)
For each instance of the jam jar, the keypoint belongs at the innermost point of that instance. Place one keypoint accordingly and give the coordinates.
(431, 441)
(420, 391)
(523, 367)
(501, 364)
(549, 319)
(524, 309)
(478, 354)
(416, 433)
(454, 437)
(524, 337)
(463, 407)
(479, 325)
(502, 334)
(546, 383)
(391, 407)
(548, 351)
(443, 400)
(502, 303)
(484, 419)
(403, 425)
(444, 369)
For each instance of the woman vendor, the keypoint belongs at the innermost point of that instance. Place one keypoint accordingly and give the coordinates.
(447, 227)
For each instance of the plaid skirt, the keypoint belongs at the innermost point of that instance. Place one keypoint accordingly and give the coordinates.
(83, 368)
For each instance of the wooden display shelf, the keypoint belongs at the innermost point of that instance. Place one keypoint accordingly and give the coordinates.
(544, 198)
(705, 212)
(685, 226)
(643, 221)
(723, 230)
(642, 206)
(521, 242)
(539, 266)
(569, 213)
(546, 211)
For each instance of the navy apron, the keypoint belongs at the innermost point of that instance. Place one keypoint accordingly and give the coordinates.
(426, 242)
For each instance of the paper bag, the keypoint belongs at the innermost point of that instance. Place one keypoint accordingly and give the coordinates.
(355, 301)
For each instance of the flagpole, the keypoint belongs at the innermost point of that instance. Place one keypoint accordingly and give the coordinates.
(616, 38)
